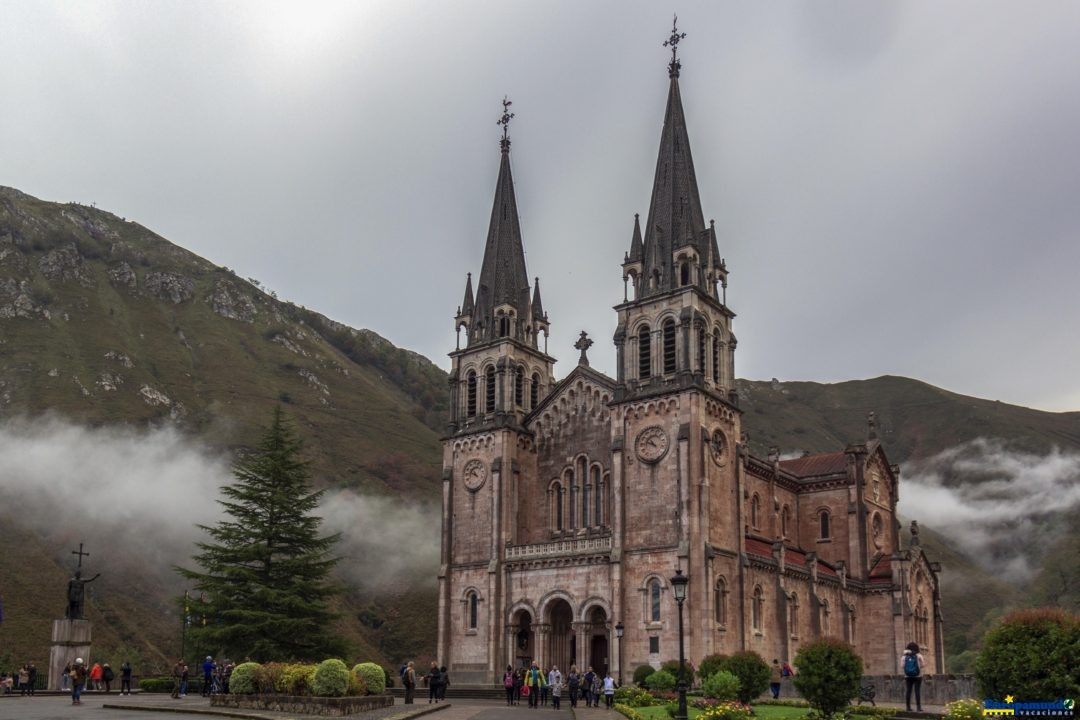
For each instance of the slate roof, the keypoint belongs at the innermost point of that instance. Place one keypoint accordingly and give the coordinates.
(816, 465)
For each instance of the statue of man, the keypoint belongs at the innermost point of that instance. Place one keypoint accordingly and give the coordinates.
(77, 594)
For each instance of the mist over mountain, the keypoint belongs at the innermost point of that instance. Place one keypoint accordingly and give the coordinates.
(133, 373)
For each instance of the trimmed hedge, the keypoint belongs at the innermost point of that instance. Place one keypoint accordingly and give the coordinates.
(660, 681)
(331, 678)
(242, 680)
(829, 675)
(374, 677)
(641, 672)
(752, 672)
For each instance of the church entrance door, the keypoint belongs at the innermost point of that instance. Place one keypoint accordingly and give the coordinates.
(524, 649)
(561, 636)
(598, 641)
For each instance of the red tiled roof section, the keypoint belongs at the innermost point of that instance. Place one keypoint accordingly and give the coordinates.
(792, 555)
(813, 465)
(758, 547)
(882, 570)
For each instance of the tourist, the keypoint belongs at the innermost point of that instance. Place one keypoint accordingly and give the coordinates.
(535, 681)
(609, 691)
(65, 678)
(775, 674)
(31, 673)
(544, 689)
(107, 677)
(912, 662)
(554, 676)
(519, 683)
(208, 668)
(587, 687)
(408, 679)
(6, 683)
(787, 671)
(125, 678)
(78, 681)
(184, 676)
(556, 688)
(177, 673)
(95, 677)
(444, 683)
(597, 688)
(434, 679)
(508, 685)
(24, 680)
(573, 680)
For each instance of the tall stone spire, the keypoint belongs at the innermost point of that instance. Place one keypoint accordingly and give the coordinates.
(503, 279)
(675, 218)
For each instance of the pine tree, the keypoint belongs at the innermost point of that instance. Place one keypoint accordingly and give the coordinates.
(265, 570)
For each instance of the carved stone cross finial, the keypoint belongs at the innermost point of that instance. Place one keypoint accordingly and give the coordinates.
(80, 553)
(583, 344)
(673, 43)
(504, 120)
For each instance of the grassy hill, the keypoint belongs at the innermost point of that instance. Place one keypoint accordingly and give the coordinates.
(104, 322)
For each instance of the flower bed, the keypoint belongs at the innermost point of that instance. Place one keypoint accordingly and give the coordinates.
(303, 704)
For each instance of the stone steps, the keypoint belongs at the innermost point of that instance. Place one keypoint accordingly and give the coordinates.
(470, 692)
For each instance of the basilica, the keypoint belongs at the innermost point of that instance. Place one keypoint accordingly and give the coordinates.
(569, 504)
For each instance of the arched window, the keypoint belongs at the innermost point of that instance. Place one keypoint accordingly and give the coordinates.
(721, 601)
(793, 615)
(654, 600)
(534, 391)
(757, 607)
(716, 358)
(784, 514)
(489, 390)
(598, 498)
(582, 477)
(669, 347)
(474, 602)
(644, 353)
(875, 529)
(470, 394)
(571, 504)
(684, 274)
(557, 498)
(920, 615)
(701, 349)
(755, 509)
(823, 520)
(504, 325)
(519, 386)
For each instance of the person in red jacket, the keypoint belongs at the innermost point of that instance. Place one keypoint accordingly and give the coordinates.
(95, 676)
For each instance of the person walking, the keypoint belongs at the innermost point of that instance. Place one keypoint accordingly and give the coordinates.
(519, 683)
(609, 691)
(208, 668)
(177, 674)
(597, 689)
(125, 678)
(508, 685)
(556, 688)
(775, 675)
(408, 679)
(184, 677)
(65, 679)
(534, 680)
(78, 681)
(445, 683)
(912, 663)
(24, 680)
(544, 689)
(587, 681)
(31, 672)
(434, 679)
(554, 676)
(107, 676)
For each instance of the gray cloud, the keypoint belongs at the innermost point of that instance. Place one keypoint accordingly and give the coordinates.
(894, 183)
(992, 501)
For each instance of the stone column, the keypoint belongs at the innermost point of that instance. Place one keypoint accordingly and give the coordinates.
(582, 631)
(543, 644)
(511, 642)
(70, 640)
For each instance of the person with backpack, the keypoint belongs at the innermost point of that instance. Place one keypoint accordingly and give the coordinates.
(587, 686)
(434, 679)
(508, 685)
(912, 663)
(107, 676)
(78, 681)
(519, 684)
(573, 683)
(535, 680)
(776, 673)
(408, 681)
(125, 678)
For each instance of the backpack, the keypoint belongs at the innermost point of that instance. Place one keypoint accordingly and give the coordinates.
(508, 680)
(911, 665)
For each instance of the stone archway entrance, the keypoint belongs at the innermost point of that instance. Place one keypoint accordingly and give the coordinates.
(598, 641)
(561, 642)
(522, 639)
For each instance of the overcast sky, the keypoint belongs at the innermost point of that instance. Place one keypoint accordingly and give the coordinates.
(896, 186)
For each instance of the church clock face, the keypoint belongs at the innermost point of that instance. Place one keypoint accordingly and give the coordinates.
(475, 474)
(718, 447)
(651, 444)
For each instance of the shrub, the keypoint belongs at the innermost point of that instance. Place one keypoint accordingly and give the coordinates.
(964, 710)
(388, 678)
(629, 713)
(752, 672)
(672, 666)
(1033, 655)
(727, 711)
(829, 675)
(711, 665)
(632, 696)
(357, 686)
(641, 672)
(660, 680)
(331, 679)
(268, 677)
(374, 677)
(156, 684)
(721, 685)
(297, 679)
(242, 680)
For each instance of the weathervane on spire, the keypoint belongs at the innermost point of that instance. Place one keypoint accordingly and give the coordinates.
(673, 43)
(505, 122)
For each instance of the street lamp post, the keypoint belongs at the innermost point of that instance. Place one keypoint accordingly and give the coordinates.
(619, 629)
(678, 587)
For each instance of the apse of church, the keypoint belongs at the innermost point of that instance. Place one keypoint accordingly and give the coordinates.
(568, 505)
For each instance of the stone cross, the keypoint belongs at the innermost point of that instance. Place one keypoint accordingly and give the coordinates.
(80, 553)
(504, 120)
(583, 344)
(673, 43)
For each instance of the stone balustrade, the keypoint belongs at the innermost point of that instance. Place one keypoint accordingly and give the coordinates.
(559, 548)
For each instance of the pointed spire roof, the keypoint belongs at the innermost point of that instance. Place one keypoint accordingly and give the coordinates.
(537, 306)
(635, 243)
(467, 304)
(675, 217)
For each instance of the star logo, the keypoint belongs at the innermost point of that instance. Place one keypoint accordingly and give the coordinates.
(1009, 699)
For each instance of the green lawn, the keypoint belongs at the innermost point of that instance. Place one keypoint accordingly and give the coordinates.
(765, 712)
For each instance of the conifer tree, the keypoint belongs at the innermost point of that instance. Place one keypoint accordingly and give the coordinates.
(264, 572)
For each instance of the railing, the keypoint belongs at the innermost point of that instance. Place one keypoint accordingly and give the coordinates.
(581, 546)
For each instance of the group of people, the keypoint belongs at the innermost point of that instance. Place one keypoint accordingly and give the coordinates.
(777, 673)
(21, 681)
(437, 680)
(215, 677)
(539, 685)
(99, 677)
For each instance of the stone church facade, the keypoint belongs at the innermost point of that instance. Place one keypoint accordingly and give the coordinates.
(568, 505)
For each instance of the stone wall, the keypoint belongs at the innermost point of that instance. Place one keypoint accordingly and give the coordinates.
(936, 689)
(324, 706)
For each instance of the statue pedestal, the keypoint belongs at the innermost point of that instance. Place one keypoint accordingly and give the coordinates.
(70, 640)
